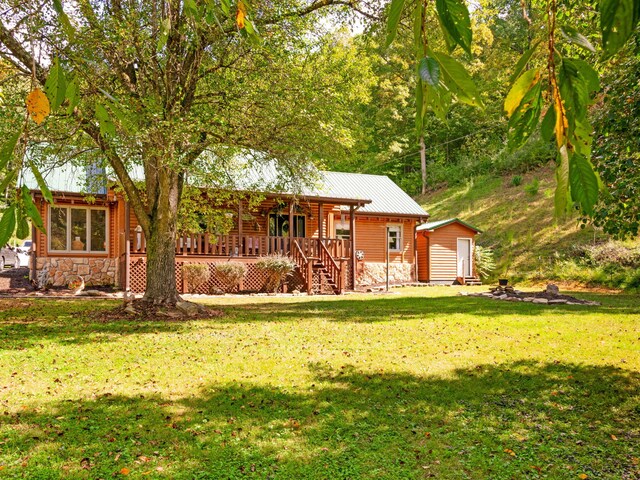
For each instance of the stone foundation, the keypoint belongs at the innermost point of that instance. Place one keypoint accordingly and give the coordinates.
(94, 271)
(376, 273)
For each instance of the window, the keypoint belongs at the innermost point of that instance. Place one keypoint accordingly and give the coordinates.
(343, 229)
(279, 225)
(394, 236)
(78, 229)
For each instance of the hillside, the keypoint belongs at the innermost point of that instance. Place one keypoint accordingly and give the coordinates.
(530, 245)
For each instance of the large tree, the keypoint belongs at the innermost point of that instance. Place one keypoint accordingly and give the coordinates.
(155, 83)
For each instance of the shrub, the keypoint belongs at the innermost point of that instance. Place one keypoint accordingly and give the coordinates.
(230, 274)
(277, 268)
(484, 260)
(532, 187)
(516, 180)
(194, 275)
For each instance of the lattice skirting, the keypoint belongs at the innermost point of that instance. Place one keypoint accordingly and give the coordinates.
(254, 280)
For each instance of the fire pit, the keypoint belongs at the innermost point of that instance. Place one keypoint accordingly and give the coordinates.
(550, 296)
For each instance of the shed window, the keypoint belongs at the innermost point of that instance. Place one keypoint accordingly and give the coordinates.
(394, 236)
(78, 229)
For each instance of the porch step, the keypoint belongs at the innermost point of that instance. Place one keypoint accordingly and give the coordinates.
(472, 281)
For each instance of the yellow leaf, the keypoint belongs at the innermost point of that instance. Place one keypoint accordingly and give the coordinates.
(510, 452)
(613, 437)
(38, 106)
(583, 476)
(124, 471)
(241, 14)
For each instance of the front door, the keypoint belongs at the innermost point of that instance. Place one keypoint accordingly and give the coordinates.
(464, 257)
(279, 225)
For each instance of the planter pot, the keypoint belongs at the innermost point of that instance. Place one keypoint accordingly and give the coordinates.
(503, 282)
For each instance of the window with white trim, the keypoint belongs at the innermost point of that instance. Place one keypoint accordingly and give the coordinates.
(394, 237)
(78, 229)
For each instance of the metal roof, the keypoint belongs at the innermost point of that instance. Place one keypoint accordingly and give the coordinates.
(443, 223)
(378, 193)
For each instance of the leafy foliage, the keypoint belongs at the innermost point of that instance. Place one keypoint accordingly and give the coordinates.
(195, 274)
(230, 274)
(277, 268)
(484, 261)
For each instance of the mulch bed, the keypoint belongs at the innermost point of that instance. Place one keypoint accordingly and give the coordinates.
(15, 280)
(141, 310)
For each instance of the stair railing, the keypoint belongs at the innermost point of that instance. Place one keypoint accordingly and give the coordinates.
(334, 271)
(306, 267)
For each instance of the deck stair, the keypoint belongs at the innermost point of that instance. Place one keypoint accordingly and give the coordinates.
(472, 281)
(318, 263)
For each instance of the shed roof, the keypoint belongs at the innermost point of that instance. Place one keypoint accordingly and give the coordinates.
(443, 223)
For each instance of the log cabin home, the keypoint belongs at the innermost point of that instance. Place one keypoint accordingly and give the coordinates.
(338, 232)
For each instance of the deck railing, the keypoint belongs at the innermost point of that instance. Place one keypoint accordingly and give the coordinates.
(206, 244)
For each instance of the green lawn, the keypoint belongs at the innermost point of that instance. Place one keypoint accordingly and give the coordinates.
(417, 384)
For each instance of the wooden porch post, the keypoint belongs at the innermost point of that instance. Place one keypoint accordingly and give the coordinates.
(127, 222)
(352, 234)
(321, 222)
(290, 227)
(240, 239)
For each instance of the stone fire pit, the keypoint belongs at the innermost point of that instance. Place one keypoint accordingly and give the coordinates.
(550, 296)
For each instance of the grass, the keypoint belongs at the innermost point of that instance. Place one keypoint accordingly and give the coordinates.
(518, 222)
(417, 384)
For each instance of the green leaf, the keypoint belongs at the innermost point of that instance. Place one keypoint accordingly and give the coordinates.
(42, 185)
(526, 117)
(107, 127)
(22, 231)
(7, 224)
(562, 198)
(7, 150)
(455, 21)
(72, 95)
(226, 6)
(582, 138)
(522, 63)
(587, 72)
(55, 87)
(190, 8)
(584, 182)
(574, 90)
(618, 19)
(165, 28)
(395, 11)
(548, 124)
(457, 80)
(573, 36)
(429, 71)
(438, 100)
(64, 19)
(9, 177)
(519, 89)
(31, 210)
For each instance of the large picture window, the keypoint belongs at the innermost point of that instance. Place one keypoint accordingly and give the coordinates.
(395, 238)
(78, 229)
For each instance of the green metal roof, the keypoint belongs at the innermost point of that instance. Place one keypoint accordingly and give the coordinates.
(442, 223)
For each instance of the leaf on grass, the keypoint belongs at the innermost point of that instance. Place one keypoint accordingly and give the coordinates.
(124, 471)
(38, 106)
(583, 476)
(510, 452)
(613, 437)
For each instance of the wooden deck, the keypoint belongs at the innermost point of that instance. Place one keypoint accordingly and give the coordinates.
(323, 264)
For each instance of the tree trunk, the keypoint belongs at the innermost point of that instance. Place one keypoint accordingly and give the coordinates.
(161, 242)
(423, 164)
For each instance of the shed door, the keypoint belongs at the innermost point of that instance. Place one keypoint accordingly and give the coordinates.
(464, 257)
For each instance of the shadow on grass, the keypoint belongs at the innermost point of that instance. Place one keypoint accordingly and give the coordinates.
(391, 307)
(27, 323)
(516, 420)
